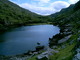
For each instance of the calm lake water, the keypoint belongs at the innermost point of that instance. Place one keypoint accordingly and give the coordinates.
(22, 39)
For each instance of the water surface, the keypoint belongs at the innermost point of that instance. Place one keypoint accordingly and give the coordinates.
(22, 39)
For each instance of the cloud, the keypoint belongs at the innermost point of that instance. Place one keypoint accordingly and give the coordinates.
(37, 9)
(44, 1)
(52, 8)
(73, 1)
(41, 2)
(58, 5)
(45, 7)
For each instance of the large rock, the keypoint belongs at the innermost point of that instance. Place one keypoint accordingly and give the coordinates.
(63, 46)
(42, 56)
(46, 53)
(78, 39)
(78, 56)
(38, 48)
(71, 42)
(64, 39)
(54, 47)
(78, 50)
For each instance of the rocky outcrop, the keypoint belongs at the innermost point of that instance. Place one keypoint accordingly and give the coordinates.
(77, 56)
(47, 53)
(64, 39)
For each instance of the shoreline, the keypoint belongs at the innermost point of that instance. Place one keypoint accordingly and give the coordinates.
(64, 31)
(20, 25)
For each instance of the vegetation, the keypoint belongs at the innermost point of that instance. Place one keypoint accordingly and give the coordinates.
(12, 15)
(68, 18)
(68, 52)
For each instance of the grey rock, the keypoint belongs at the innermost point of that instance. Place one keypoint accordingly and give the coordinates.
(78, 39)
(78, 50)
(47, 53)
(71, 42)
(63, 46)
(78, 56)
(54, 47)
(78, 31)
(64, 39)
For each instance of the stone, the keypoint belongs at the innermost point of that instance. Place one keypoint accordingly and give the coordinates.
(35, 53)
(78, 56)
(68, 24)
(78, 31)
(54, 47)
(42, 56)
(66, 29)
(47, 53)
(38, 48)
(78, 50)
(64, 39)
(78, 39)
(67, 32)
(63, 46)
(71, 42)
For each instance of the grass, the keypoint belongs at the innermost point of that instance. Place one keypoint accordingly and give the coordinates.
(39, 24)
(33, 58)
(66, 53)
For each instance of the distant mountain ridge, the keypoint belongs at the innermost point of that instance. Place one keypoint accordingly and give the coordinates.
(63, 10)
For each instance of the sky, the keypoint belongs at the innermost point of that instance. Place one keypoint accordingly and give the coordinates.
(44, 7)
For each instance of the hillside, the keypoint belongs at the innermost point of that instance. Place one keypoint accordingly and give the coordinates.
(69, 23)
(66, 44)
(63, 11)
(13, 15)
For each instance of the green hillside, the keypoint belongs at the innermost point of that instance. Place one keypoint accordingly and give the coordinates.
(68, 20)
(13, 15)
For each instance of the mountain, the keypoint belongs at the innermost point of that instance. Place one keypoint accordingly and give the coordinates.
(64, 10)
(67, 15)
(68, 40)
(13, 15)
(77, 6)
(65, 45)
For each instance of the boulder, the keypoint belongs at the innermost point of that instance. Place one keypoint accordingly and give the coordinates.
(71, 42)
(78, 39)
(54, 47)
(35, 53)
(40, 57)
(78, 31)
(78, 56)
(78, 50)
(38, 48)
(63, 46)
(64, 39)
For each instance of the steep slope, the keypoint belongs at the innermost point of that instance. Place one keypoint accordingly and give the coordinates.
(67, 42)
(62, 14)
(12, 14)
(64, 11)
(70, 25)
(67, 15)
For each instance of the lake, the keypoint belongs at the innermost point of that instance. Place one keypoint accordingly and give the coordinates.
(22, 39)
